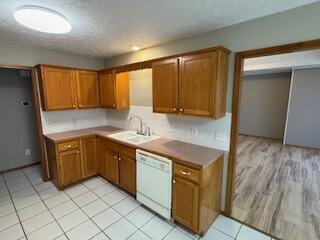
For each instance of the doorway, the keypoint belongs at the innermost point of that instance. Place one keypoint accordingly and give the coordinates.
(21, 129)
(273, 172)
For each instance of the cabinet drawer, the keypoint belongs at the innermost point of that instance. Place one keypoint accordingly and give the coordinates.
(130, 152)
(68, 145)
(186, 173)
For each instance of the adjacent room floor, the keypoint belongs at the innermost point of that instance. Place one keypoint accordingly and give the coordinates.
(277, 188)
(33, 209)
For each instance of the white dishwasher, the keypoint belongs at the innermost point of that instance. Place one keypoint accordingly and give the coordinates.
(154, 182)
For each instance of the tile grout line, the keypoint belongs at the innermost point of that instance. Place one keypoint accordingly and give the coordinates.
(49, 213)
(25, 235)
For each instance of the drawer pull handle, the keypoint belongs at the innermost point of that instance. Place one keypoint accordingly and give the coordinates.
(68, 146)
(185, 173)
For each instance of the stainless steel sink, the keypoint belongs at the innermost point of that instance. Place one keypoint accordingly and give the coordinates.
(132, 137)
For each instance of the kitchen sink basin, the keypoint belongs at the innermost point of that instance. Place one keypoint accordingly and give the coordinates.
(132, 137)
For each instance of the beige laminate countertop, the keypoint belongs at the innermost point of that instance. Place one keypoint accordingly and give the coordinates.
(194, 155)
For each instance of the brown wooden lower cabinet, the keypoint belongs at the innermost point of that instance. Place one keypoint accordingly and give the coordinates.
(127, 169)
(185, 203)
(111, 165)
(69, 165)
(196, 192)
(89, 156)
(119, 165)
(196, 195)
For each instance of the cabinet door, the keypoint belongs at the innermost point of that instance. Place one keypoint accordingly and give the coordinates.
(127, 169)
(196, 85)
(107, 90)
(100, 156)
(165, 86)
(57, 88)
(69, 164)
(185, 203)
(122, 90)
(87, 89)
(111, 166)
(89, 156)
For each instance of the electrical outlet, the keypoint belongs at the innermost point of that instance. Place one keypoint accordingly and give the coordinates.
(221, 136)
(27, 152)
(194, 132)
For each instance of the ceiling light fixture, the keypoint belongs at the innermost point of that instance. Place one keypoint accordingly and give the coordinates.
(135, 48)
(42, 19)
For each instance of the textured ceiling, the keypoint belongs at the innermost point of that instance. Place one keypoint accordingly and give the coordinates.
(104, 28)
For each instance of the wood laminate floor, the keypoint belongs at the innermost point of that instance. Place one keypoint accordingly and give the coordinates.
(277, 188)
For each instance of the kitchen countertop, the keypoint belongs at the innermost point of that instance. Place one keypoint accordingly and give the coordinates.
(194, 155)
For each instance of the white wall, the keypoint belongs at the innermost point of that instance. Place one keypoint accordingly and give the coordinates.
(12, 54)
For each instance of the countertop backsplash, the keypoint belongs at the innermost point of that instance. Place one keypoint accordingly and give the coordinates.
(59, 121)
(197, 130)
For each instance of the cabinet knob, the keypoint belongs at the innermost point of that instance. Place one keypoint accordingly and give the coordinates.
(115, 156)
(174, 109)
(174, 181)
(73, 105)
(78, 152)
(119, 158)
(113, 105)
(181, 109)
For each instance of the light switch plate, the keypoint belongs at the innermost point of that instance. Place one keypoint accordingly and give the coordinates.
(27, 152)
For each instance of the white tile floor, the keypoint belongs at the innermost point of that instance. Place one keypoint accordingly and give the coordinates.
(33, 209)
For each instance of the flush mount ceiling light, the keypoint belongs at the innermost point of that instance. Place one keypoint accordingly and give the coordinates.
(135, 48)
(42, 20)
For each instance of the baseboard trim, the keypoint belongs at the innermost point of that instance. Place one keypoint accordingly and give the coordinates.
(18, 168)
(304, 147)
(263, 137)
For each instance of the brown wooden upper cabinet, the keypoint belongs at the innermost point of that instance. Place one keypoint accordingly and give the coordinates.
(66, 88)
(165, 85)
(56, 88)
(87, 89)
(194, 84)
(114, 90)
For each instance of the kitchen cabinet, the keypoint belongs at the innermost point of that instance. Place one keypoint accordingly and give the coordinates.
(89, 156)
(72, 160)
(87, 89)
(67, 88)
(119, 165)
(185, 203)
(114, 90)
(165, 86)
(64, 159)
(127, 169)
(202, 84)
(56, 88)
(196, 195)
(69, 165)
(111, 164)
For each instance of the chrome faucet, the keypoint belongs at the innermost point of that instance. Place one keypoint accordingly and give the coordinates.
(139, 131)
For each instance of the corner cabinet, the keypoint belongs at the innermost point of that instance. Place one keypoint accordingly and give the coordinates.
(194, 84)
(67, 88)
(114, 90)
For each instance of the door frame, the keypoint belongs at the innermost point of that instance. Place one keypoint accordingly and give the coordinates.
(237, 83)
(36, 100)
